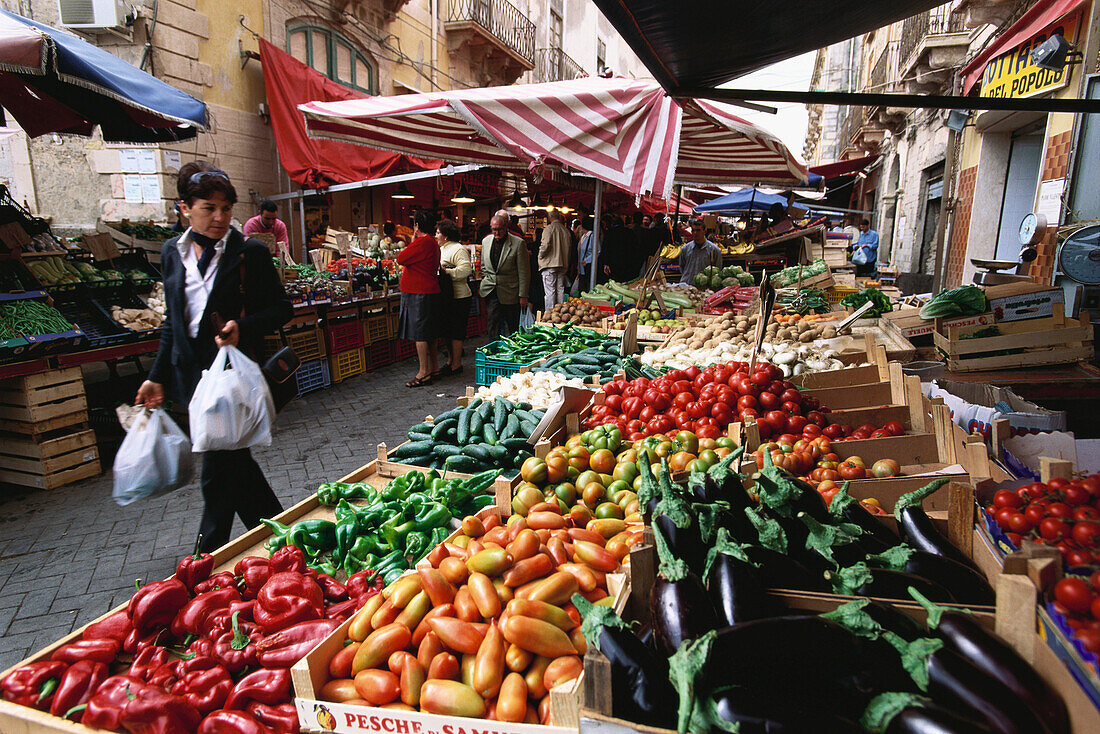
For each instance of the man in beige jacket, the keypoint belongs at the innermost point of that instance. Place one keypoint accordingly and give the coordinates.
(554, 258)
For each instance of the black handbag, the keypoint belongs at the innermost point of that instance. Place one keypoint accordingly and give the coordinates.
(446, 285)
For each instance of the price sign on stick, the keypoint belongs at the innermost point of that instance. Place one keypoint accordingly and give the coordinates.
(343, 242)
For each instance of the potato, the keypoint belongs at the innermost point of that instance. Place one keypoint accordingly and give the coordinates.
(807, 337)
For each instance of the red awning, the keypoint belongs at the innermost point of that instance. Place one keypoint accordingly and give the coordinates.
(839, 168)
(1038, 17)
(319, 163)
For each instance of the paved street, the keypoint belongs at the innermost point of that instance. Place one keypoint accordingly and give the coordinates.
(69, 555)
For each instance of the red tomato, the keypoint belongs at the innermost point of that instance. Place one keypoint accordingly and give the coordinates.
(894, 428)
(833, 430)
(860, 434)
(1017, 523)
(721, 413)
(1087, 512)
(634, 426)
(707, 420)
(778, 419)
(684, 422)
(750, 413)
(849, 470)
(775, 386)
(811, 430)
(1074, 594)
(1089, 639)
(1077, 495)
(691, 372)
(747, 402)
(680, 386)
(1035, 514)
(1053, 529)
(769, 401)
(647, 414)
(675, 375)
(708, 431)
(696, 410)
(795, 424)
(1002, 516)
(791, 408)
(1005, 498)
(1060, 509)
(791, 396)
(1078, 558)
(722, 374)
(1095, 607)
(1092, 484)
(760, 377)
(1087, 533)
(727, 395)
(632, 407)
(615, 387)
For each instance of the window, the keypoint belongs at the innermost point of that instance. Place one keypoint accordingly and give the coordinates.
(601, 55)
(332, 55)
(555, 29)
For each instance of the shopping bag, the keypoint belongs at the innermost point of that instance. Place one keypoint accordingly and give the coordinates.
(232, 407)
(859, 256)
(526, 318)
(154, 458)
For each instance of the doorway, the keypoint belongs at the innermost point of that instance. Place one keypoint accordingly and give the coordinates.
(1024, 161)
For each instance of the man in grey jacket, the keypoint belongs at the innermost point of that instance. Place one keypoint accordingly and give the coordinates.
(505, 276)
(554, 259)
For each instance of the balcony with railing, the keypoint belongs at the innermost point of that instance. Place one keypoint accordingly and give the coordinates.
(883, 78)
(931, 44)
(860, 133)
(554, 65)
(497, 28)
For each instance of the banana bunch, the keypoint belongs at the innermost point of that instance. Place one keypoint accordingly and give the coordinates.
(736, 248)
(670, 252)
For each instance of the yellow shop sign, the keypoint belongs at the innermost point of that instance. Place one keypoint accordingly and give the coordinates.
(1012, 74)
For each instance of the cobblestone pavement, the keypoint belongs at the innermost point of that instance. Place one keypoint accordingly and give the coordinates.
(69, 555)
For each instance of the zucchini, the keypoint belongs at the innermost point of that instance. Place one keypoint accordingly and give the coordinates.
(490, 434)
(412, 448)
(443, 450)
(516, 444)
(499, 415)
(463, 427)
(477, 451)
(463, 463)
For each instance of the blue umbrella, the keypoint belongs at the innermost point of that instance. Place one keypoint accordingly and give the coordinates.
(52, 81)
(744, 200)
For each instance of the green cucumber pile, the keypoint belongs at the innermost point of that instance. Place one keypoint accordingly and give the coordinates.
(603, 360)
(484, 435)
(540, 341)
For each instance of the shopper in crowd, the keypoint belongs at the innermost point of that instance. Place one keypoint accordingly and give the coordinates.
(865, 250)
(554, 259)
(777, 222)
(506, 276)
(268, 222)
(582, 228)
(649, 241)
(698, 253)
(454, 263)
(419, 282)
(221, 289)
(389, 235)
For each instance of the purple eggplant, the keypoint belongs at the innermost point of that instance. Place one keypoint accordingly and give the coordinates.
(755, 711)
(678, 603)
(917, 529)
(966, 585)
(959, 684)
(890, 619)
(888, 584)
(733, 583)
(847, 509)
(780, 571)
(909, 713)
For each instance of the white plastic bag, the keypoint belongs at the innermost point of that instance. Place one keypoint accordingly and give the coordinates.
(232, 406)
(526, 318)
(154, 458)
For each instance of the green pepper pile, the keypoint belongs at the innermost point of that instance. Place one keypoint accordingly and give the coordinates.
(804, 301)
(403, 522)
(539, 341)
(874, 295)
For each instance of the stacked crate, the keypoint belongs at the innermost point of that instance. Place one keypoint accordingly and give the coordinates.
(344, 338)
(45, 441)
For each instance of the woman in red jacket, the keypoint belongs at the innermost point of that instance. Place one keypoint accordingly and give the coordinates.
(419, 281)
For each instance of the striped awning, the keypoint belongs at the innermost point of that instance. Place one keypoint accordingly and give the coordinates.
(625, 132)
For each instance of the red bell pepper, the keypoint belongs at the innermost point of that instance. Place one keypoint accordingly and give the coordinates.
(284, 648)
(287, 558)
(287, 599)
(232, 722)
(341, 610)
(206, 689)
(195, 568)
(152, 711)
(362, 585)
(191, 619)
(156, 605)
(202, 646)
(332, 589)
(136, 641)
(105, 707)
(151, 658)
(77, 686)
(220, 580)
(100, 651)
(115, 627)
(221, 621)
(236, 649)
(248, 562)
(281, 719)
(265, 686)
(33, 684)
(254, 578)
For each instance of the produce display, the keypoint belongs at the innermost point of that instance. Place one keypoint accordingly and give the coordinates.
(537, 387)
(649, 317)
(138, 319)
(53, 271)
(155, 299)
(575, 311)
(540, 341)
(962, 301)
(603, 361)
(377, 249)
(804, 301)
(716, 278)
(790, 276)
(1064, 513)
(368, 272)
(484, 631)
(673, 296)
(151, 232)
(729, 337)
(29, 317)
(197, 652)
(881, 303)
(484, 435)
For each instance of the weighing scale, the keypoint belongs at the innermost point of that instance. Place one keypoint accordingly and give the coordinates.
(1077, 271)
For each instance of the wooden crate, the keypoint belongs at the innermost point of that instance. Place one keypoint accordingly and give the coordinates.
(1034, 342)
(43, 402)
(51, 460)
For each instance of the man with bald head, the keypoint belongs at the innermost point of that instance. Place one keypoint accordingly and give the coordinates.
(554, 258)
(506, 276)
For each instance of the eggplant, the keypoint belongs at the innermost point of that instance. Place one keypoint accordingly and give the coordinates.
(678, 603)
(780, 571)
(967, 585)
(735, 589)
(917, 529)
(931, 718)
(959, 684)
(890, 619)
(640, 690)
(756, 712)
(988, 652)
(851, 510)
(888, 584)
(684, 543)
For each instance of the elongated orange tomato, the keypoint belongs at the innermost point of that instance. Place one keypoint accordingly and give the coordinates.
(595, 556)
(578, 640)
(386, 614)
(541, 610)
(533, 677)
(396, 661)
(457, 551)
(454, 570)
(517, 659)
(512, 701)
(429, 647)
(544, 710)
(338, 690)
(545, 520)
(525, 545)
(402, 591)
(447, 610)
(413, 676)
(444, 666)
(377, 686)
(586, 534)
(457, 635)
(528, 570)
(438, 555)
(450, 698)
(484, 595)
(472, 526)
(555, 548)
(504, 593)
(465, 608)
(415, 610)
(557, 588)
(606, 528)
(496, 536)
(340, 665)
(397, 706)
(474, 547)
(560, 670)
(618, 549)
(489, 663)
(534, 635)
(436, 585)
(379, 645)
(586, 578)
(491, 562)
(466, 669)
(493, 521)
(515, 525)
(360, 625)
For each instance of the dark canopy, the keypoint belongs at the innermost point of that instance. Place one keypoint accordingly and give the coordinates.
(705, 43)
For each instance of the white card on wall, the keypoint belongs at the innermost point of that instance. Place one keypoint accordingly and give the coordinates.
(150, 189)
(147, 160)
(131, 186)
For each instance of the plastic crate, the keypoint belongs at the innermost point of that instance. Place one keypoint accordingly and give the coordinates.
(391, 326)
(376, 327)
(403, 349)
(838, 293)
(474, 327)
(15, 278)
(348, 364)
(126, 299)
(98, 327)
(488, 369)
(341, 336)
(313, 375)
(380, 354)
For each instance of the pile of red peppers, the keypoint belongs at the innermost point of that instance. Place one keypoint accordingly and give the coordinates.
(200, 652)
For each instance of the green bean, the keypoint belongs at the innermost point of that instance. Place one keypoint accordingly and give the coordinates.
(28, 317)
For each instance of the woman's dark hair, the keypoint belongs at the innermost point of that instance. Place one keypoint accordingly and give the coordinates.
(389, 228)
(425, 220)
(450, 230)
(200, 180)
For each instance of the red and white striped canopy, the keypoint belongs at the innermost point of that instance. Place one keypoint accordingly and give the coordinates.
(625, 132)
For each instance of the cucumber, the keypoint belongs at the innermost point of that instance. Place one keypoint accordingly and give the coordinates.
(412, 448)
(443, 450)
(423, 427)
(463, 426)
(499, 415)
(413, 436)
(490, 434)
(476, 423)
(499, 454)
(485, 410)
(526, 415)
(474, 404)
(463, 463)
(452, 435)
(418, 460)
(452, 413)
(516, 444)
(511, 427)
(585, 359)
(526, 428)
(441, 428)
(477, 451)
(523, 406)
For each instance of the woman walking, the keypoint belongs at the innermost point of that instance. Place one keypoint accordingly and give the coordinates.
(419, 282)
(221, 290)
(454, 260)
